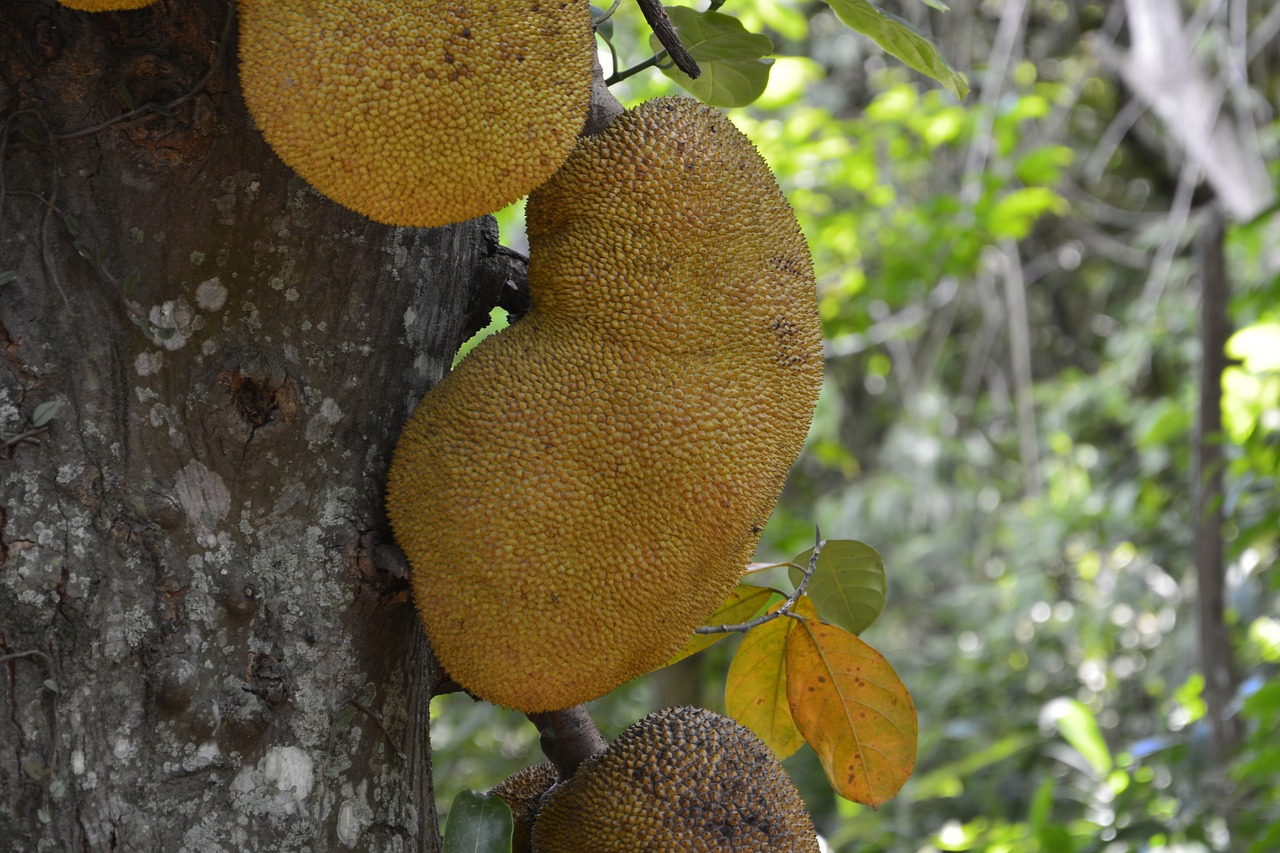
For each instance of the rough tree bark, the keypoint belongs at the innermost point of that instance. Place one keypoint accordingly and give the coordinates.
(198, 649)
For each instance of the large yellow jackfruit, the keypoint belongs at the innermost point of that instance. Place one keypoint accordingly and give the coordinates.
(683, 780)
(414, 112)
(589, 484)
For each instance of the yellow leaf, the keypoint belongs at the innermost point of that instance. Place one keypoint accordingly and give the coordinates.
(755, 693)
(854, 711)
(741, 606)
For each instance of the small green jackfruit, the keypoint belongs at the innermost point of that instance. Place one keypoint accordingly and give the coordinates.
(416, 113)
(682, 780)
(588, 484)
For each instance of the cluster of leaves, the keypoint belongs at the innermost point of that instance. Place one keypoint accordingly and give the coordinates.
(802, 675)
(735, 62)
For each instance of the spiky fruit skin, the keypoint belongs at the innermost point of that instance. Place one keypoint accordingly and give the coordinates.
(418, 113)
(589, 484)
(105, 5)
(682, 780)
(522, 792)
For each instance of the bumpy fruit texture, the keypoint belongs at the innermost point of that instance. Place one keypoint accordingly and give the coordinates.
(683, 780)
(105, 5)
(522, 792)
(589, 484)
(413, 112)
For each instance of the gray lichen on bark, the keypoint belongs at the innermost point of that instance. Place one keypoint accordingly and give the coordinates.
(197, 649)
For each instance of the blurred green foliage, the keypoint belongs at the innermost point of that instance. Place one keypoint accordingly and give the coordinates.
(1031, 495)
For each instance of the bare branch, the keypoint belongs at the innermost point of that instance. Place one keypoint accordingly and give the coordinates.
(1015, 294)
(667, 35)
(1161, 67)
(568, 737)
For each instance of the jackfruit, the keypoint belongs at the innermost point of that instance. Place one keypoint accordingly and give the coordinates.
(522, 792)
(589, 483)
(105, 5)
(682, 780)
(415, 113)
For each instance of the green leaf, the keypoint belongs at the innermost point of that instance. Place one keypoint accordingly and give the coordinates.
(45, 412)
(900, 39)
(1263, 703)
(478, 824)
(735, 70)
(1014, 214)
(848, 585)
(1079, 727)
(1044, 165)
(1190, 695)
(1258, 346)
(7, 276)
(1042, 805)
(945, 781)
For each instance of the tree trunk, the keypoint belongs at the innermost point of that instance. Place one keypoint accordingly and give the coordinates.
(1217, 658)
(198, 649)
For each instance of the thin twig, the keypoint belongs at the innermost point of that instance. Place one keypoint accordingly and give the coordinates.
(651, 62)
(4, 144)
(607, 13)
(30, 653)
(46, 253)
(215, 62)
(1019, 327)
(1012, 17)
(662, 27)
(784, 609)
(134, 310)
(360, 706)
(23, 436)
(1179, 213)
